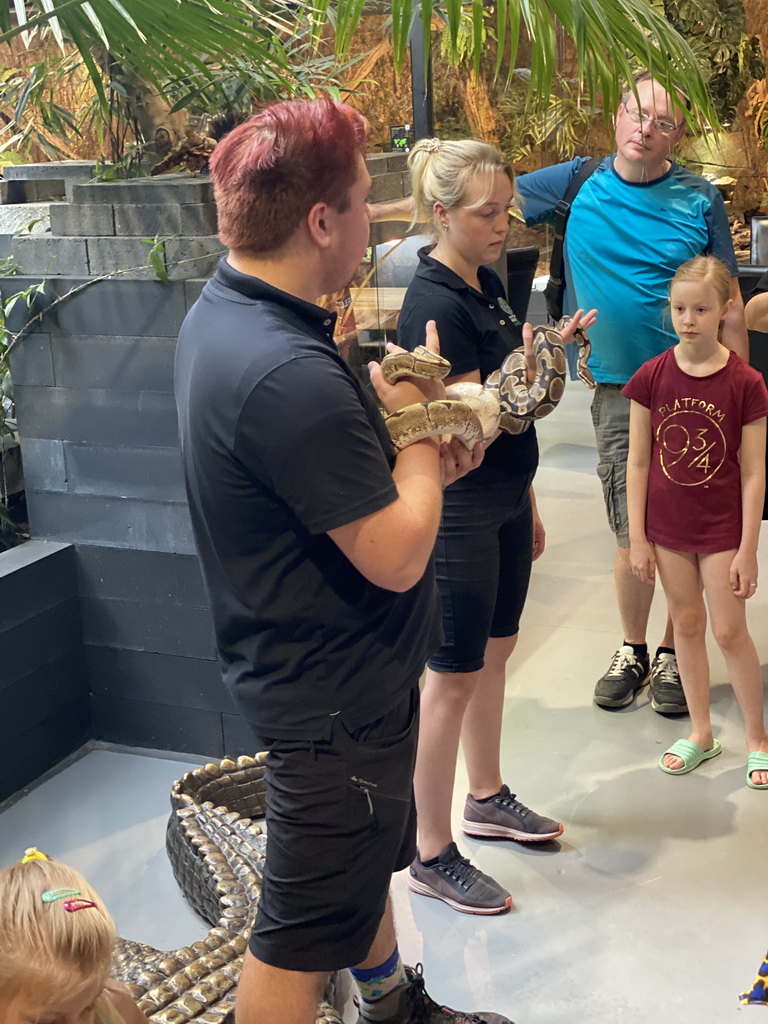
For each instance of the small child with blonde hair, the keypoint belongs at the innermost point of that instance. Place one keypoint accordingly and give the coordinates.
(56, 945)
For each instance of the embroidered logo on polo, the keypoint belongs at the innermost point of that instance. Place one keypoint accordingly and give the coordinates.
(692, 446)
(503, 304)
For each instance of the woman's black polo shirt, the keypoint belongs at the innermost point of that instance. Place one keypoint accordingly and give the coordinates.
(280, 444)
(477, 331)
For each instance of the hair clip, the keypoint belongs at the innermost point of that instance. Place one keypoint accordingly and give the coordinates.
(58, 894)
(33, 854)
(431, 145)
(72, 906)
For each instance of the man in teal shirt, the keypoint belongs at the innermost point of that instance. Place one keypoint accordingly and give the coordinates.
(633, 223)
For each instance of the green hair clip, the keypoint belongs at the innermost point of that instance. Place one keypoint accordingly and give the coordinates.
(59, 894)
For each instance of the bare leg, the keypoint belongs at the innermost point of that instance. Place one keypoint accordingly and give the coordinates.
(481, 730)
(267, 994)
(383, 944)
(444, 702)
(681, 579)
(729, 625)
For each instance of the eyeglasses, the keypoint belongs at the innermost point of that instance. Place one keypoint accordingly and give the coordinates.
(661, 126)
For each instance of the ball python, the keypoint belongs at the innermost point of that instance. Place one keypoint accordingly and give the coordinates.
(506, 400)
(216, 847)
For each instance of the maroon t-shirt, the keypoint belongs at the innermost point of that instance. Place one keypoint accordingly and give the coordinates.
(694, 483)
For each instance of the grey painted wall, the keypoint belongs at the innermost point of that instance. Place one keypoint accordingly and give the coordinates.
(93, 383)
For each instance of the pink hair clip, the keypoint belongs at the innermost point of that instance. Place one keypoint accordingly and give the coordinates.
(72, 906)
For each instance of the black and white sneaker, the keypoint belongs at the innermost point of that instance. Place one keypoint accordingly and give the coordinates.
(412, 1004)
(458, 883)
(627, 675)
(667, 695)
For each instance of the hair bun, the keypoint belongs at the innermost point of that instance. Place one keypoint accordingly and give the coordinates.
(431, 145)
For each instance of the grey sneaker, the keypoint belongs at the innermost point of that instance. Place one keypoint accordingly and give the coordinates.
(458, 883)
(627, 675)
(504, 817)
(410, 1004)
(667, 695)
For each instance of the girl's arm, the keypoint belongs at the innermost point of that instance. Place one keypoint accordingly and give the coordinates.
(752, 463)
(641, 555)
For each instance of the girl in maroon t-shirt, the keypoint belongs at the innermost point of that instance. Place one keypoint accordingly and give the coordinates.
(695, 484)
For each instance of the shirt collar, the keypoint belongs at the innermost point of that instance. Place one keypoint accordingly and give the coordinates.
(430, 269)
(319, 319)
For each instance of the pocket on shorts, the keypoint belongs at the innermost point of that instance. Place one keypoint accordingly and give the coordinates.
(596, 406)
(613, 479)
(381, 766)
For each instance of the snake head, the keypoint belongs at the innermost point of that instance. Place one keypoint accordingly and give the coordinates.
(421, 363)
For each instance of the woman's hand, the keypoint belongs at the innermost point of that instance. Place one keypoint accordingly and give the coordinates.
(744, 574)
(530, 355)
(642, 560)
(579, 320)
(539, 535)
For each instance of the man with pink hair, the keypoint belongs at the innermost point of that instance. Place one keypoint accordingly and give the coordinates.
(315, 545)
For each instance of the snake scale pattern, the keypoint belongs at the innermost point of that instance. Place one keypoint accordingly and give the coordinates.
(506, 400)
(217, 851)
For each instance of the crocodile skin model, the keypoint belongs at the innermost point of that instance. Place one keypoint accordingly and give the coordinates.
(217, 853)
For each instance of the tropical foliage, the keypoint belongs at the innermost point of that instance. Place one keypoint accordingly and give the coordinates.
(717, 33)
(166, 39)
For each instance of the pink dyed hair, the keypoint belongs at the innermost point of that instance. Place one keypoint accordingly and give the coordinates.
(269, 172)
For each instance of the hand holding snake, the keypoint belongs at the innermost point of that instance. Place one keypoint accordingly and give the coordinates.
(528, 386)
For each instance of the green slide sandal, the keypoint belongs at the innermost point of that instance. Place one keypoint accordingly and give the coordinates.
(756, 762)
(692, 755)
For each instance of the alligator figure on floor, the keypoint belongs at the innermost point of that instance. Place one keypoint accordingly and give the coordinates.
(217, 854)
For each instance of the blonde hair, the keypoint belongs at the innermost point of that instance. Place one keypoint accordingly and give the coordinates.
(441, 172)
(707, 269)
(47, 951)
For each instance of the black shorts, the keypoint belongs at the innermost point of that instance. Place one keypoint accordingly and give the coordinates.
(340, 819)
(483, 558)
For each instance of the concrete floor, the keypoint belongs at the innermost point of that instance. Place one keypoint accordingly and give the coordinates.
(651, 908)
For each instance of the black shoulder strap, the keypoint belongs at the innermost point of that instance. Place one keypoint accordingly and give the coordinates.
(556, 287)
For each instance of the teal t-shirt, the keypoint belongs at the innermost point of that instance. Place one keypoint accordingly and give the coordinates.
(623, 244)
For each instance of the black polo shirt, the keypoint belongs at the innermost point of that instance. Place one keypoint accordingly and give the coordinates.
(280, 443)
(477, 331)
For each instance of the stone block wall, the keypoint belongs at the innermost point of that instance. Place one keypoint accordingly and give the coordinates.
(43, 686)
(93, 382)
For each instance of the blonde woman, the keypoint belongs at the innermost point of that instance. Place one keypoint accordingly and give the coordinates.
(490, 530)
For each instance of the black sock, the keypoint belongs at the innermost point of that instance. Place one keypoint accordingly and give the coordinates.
(641, 650)
(664, 650)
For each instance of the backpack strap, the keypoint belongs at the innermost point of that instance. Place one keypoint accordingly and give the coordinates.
(555, 289)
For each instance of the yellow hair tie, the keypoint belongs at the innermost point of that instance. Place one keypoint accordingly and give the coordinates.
(33, 854)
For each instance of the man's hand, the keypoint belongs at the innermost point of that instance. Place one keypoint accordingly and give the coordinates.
(419, 388)
(456, 460)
